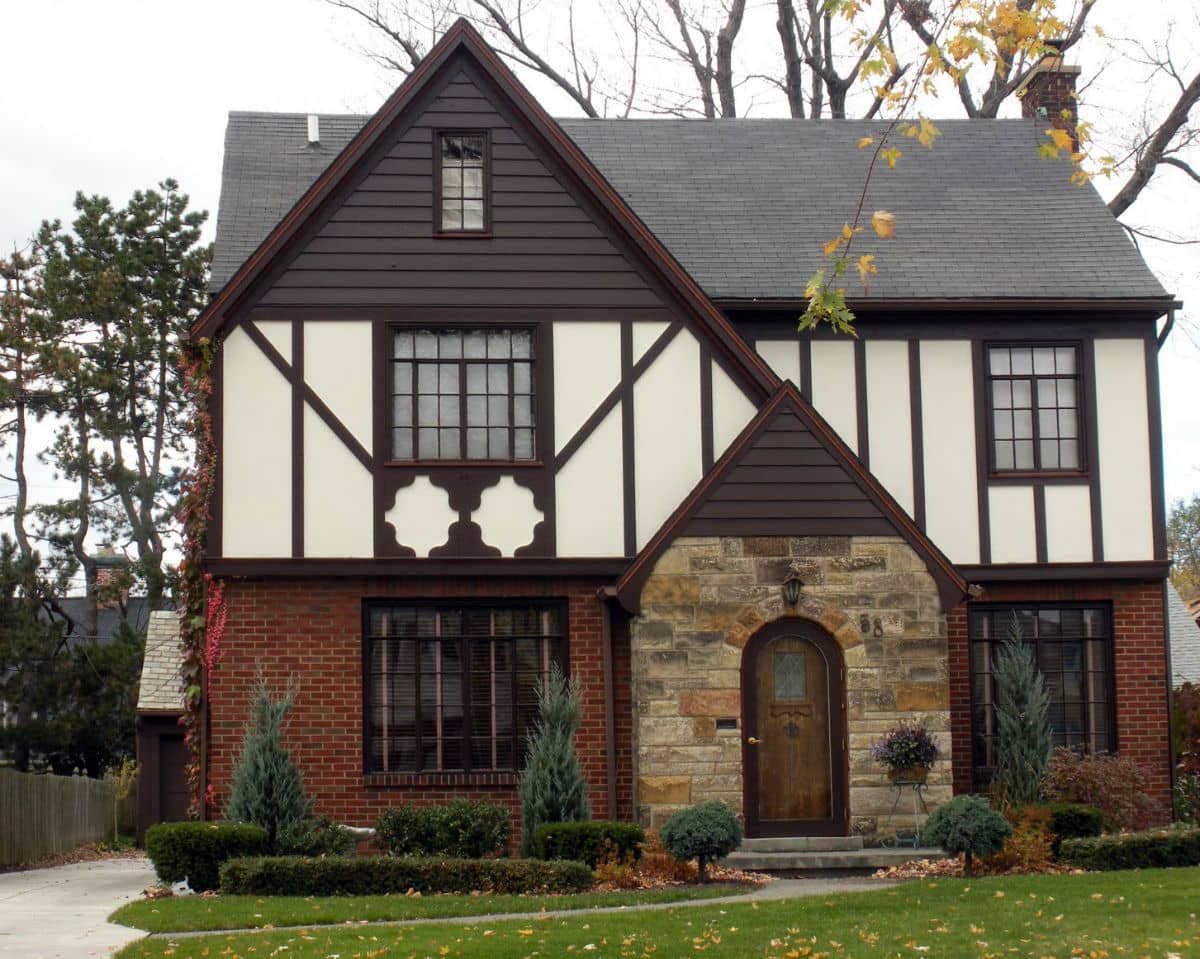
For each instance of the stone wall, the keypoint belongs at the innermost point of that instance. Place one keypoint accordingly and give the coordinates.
(704, 600)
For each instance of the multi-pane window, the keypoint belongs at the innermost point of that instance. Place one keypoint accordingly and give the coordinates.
(1072, 649)
(455, 688)
(462, 395)
(462, 178)
(1035, 400)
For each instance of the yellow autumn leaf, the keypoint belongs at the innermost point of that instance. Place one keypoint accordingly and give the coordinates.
(891, 154)
(866, 266)
(831, 246)
(865, 142)
(884, 224)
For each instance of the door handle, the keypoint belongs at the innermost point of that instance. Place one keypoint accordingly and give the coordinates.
(753, 741)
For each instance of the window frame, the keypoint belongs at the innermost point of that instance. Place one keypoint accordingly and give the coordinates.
(981, 773)
(1082, 405)
(555, 604)
(539, 384)
(439, 231)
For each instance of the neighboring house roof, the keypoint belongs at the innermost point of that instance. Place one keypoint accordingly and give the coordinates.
(135, 611)
(161, 688)
(746, 205)
(1184, 636)
(788, 474)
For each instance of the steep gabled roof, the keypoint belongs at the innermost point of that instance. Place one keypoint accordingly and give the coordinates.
(788, 474)
(746, 205)
(462, 39)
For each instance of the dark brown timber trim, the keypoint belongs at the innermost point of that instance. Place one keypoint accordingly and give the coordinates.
(860, 399)
(317, 404)
(1154, 406)
(806, 368)
(982, 453)
(1150, 304)
(400, 566)
(1009, 572)
(706, 409)
(625, 393)
(610, 702)
(297, 436)
(1093, 443)
(918, 432)
(216, 412)
(1039, 523)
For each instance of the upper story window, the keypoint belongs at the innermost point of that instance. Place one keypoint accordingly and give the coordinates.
(1072, 647)
(462, 183)
(1034, 394)
(463, 394)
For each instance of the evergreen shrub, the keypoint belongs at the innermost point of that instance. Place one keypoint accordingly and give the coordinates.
(1074, 821)
(589, 841)
(1023, 741)
(380, 875)
(195, 850)
(463, 828)
(967, 824)
(315, 837)
(1157, 849)
(704, 832)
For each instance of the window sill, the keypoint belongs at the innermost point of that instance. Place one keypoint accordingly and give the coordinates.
(489, 778)
(462, 235)
(462, 464)
(1017, 476)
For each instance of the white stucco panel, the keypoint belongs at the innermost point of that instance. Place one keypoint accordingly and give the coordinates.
(421, 516)
(1123, 432)
(338, 496)
(889, 418)
(279, 335)
(731, 410)
(337, 366)
(833, 392)
(783, 356)
(667, 454)
(1068, 524)
(948, 436)
(1013, 531)
(507, 516)
(256, 453)
(645, 332)
(589, 495)
(587, 367)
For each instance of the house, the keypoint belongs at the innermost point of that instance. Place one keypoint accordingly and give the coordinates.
(162, 754)
(496, 392)
(1184, 635)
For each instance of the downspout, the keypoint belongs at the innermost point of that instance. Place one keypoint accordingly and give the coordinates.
(610, 701)
(1171, 759)
(1167, 327)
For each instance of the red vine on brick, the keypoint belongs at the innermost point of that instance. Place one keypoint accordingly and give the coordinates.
(203, 600)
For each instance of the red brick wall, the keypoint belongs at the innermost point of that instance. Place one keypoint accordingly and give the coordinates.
(1139, 665)
(312, 629)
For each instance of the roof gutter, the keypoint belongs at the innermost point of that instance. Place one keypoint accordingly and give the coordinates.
(1167, 327)
(1157, 305)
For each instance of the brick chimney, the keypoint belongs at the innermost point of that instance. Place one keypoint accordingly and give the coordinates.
(1048, 92)
(112, 584)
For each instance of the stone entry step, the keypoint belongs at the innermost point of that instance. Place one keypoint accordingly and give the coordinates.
(834, 860)
(801, 844)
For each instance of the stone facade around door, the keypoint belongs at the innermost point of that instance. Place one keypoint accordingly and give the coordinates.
(699, 607)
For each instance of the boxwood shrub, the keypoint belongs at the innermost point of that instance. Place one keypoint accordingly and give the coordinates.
(369, 876)
(1074, 821)
(195, 850)
(462, 829)
(588, 841)
(1156, 849)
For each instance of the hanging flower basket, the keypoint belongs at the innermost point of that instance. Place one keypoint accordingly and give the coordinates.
(908, 774)
(908, 750)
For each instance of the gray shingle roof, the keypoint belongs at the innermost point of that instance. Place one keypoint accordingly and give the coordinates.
(162, 684)
(745, 205)
(1185, 640)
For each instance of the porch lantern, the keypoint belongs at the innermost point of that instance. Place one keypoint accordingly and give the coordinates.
(791, 587)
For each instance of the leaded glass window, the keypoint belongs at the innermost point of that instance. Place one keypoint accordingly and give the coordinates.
(463, 183)
(1034, 403)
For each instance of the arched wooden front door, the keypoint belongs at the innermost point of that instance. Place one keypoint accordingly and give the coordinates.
(794, 732)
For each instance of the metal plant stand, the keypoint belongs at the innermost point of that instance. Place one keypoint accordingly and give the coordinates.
(917, 789)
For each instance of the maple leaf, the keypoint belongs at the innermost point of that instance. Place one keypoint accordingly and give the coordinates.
(884, 224)
(865, 142)
(891, 154)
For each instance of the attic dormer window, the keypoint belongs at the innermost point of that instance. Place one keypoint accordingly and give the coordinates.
(462, 183)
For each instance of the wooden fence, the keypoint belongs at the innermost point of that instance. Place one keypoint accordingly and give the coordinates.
(43, 814)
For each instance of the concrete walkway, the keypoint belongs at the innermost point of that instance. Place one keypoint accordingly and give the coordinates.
(62, 912)
(781, 889)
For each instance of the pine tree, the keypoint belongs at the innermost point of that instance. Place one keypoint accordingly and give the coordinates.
(267, 789)
(552, 785)
(1022, 720)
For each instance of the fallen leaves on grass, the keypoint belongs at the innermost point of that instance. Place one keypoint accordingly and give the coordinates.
(950, 868)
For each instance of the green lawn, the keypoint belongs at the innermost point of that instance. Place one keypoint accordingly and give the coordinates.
(196, 913)
(1098, 916)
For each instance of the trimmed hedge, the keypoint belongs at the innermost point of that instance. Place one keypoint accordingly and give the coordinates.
(372, 876)
(588, 841)
(462, 829)
(1074, 821)
(195, 850)
(1157, 849)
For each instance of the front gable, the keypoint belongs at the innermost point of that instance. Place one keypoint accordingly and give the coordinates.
(638, 383)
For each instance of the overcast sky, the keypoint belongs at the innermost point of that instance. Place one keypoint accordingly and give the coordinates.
(109, 96)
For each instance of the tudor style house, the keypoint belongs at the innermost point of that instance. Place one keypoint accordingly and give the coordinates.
(496, 391)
